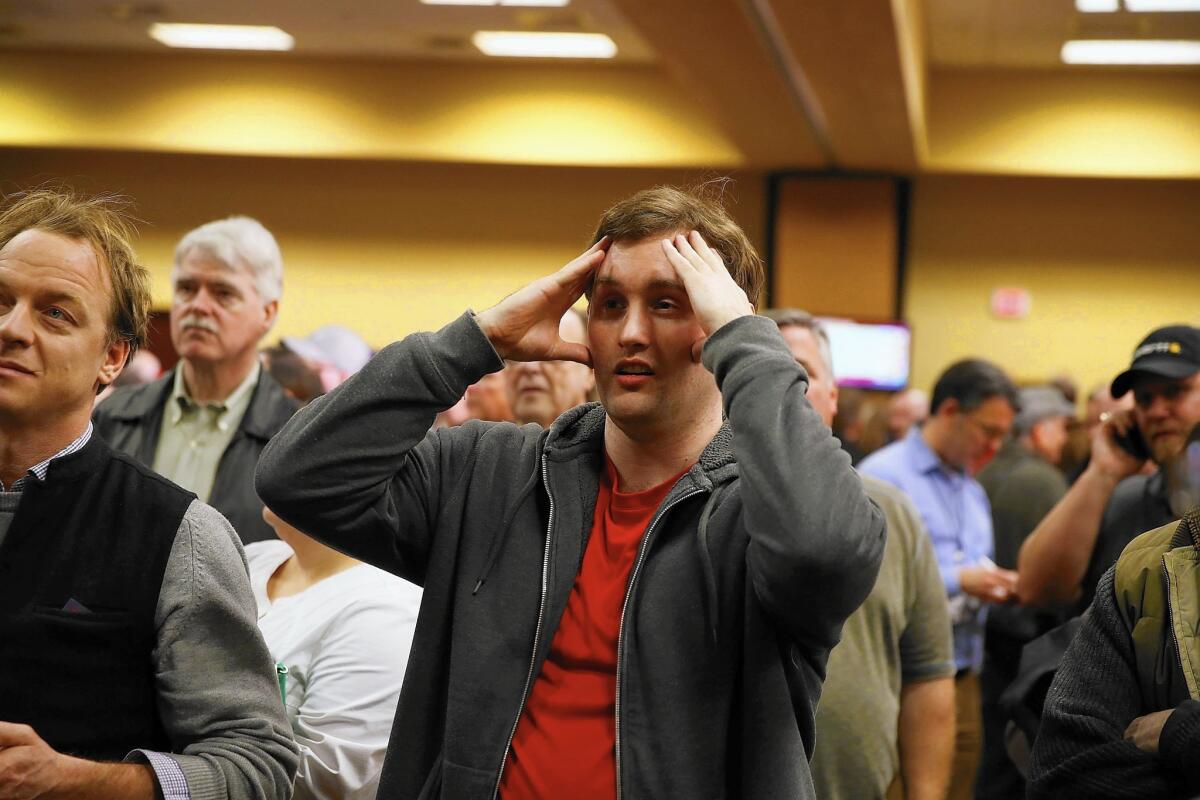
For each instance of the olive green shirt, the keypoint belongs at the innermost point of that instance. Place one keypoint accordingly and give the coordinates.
(193, 436)
(900, 634)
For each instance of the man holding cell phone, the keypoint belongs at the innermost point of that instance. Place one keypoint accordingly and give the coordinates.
(1062, 560)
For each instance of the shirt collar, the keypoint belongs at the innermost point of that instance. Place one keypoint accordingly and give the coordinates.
(232, 409)
(923, 457)
(38, 471)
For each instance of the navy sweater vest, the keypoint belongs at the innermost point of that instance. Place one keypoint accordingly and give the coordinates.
(80, 573)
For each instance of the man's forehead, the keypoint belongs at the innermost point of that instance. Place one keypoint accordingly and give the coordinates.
(55, 257)
(636, 262)
(198, 264)
(996, 407)
(801, 341)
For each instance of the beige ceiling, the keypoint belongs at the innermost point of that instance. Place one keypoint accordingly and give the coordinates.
(901, 86)
(1025, 34)
(401, 29)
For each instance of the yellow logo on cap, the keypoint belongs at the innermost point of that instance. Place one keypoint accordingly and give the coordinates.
(1175, 348)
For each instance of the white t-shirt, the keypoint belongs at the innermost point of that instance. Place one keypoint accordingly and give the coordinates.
(345, 643)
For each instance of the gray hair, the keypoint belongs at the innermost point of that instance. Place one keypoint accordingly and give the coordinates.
(788, 317)
(238, 243)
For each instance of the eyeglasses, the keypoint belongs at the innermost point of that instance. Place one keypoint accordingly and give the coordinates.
(990, 431)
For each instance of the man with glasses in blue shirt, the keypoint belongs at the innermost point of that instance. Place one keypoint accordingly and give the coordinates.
(971, 412)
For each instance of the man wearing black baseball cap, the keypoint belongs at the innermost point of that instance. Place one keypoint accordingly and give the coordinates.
(1111, 503)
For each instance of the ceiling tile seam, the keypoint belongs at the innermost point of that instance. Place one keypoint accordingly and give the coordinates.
(766, 25)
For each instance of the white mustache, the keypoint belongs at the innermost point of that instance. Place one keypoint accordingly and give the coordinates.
(196, 321)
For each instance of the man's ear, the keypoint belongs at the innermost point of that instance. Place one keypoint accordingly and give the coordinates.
(116, 355)
(270, 313)
(950, 407)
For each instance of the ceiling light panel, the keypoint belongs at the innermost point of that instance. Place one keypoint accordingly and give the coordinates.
(1094, 6)
(537, 44)
(222, 37)
(537, 3)
(1151, 6)
(1131, 52)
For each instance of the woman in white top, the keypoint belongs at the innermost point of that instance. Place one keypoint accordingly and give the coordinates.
(343, 630)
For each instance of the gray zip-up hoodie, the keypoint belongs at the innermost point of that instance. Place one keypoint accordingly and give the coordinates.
(741, 585)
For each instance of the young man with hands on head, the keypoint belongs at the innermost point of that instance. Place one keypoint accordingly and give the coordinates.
(617, 605)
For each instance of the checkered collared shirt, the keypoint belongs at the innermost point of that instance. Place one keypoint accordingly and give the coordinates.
(38, 471)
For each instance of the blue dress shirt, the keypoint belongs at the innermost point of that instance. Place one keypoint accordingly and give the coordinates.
(956, 511)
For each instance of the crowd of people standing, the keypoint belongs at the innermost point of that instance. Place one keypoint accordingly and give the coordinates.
(596, 540)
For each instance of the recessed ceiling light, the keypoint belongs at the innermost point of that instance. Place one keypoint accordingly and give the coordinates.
(1135, 51)
(544, 3)
(222, 37)
(1162, 5)
(1091, 6)
(536, 44)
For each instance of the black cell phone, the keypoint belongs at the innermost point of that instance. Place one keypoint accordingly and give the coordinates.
(1133, 442)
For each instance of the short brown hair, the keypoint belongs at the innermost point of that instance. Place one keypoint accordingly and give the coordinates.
(104, 223)
(667, 209)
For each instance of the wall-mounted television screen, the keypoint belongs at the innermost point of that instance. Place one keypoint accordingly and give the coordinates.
(869, 355)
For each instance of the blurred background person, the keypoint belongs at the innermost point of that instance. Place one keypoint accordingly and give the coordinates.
(340, 632)
(142, 368)
(1062, 560)
(885, 724)
(1079, 443)
(892, 422)
(849, 424)
(334, 351)
(456, 414)
(540, 391)
(487, 399)
(905, 409)
(299, 380)
(204, 424)
(972, 410)
(1023, 483)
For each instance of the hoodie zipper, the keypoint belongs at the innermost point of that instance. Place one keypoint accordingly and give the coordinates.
(1170, 616)
(633, 575)
(537, 633)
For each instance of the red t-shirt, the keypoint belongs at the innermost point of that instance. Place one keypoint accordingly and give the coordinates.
(565, 741)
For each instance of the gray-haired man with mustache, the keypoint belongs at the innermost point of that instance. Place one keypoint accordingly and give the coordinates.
(204, 424)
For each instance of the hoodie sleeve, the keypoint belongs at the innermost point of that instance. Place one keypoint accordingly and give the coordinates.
(816, 539)
(360, 469)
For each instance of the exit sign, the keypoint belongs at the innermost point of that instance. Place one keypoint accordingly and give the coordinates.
(1011, 302)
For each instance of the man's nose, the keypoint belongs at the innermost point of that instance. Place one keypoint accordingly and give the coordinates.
(634, 328)
(201, 302)
(16, 326)
(1158, 407)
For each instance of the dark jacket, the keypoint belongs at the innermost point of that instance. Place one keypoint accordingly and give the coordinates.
(96, 533)
(130, 421)
(1128, 660)
(740, 589)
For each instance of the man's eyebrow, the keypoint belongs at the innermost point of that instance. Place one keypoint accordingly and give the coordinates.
(62, 298)
(657, 283)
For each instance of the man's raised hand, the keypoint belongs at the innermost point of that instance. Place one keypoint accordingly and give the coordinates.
(715, 297)
(524, 325)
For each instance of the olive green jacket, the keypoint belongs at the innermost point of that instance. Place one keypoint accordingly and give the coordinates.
(1157, 585)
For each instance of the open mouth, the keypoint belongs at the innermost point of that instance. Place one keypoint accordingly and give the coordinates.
(633, 375)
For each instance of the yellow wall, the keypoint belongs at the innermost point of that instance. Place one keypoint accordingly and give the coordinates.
(1106, 261)
(585, 114)
(386, 248)
(1064, 122)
